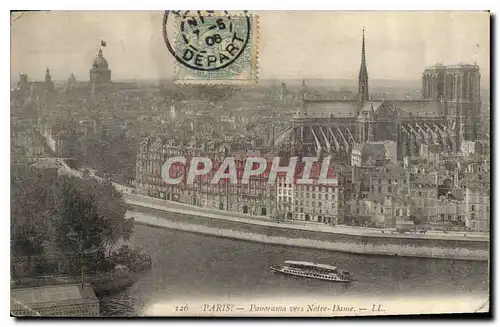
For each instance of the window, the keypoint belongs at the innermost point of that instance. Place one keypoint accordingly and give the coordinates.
(472, 207)
(442, 217)
(381, 209)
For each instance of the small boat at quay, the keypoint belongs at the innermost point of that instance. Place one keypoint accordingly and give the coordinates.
(314, 271)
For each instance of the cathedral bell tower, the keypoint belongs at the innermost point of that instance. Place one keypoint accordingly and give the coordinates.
(363, 75)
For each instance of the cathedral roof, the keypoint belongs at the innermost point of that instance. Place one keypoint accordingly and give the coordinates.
(369, 107)
(331, 109)
(419, 108)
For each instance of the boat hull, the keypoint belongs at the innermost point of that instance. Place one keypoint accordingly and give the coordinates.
(329, 277)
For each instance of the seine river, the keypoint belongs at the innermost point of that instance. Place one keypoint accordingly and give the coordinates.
(193, 265)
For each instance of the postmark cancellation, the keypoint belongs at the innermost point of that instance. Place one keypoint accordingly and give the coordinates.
(212, 47)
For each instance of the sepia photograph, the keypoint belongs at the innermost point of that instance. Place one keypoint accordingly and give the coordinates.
(246, 163)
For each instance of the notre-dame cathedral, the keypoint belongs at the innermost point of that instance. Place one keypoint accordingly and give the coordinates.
(447, 115)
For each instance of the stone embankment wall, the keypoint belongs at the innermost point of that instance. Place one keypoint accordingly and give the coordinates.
(284, 234)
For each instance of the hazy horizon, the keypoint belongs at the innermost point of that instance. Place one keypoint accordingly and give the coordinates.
(292, 44)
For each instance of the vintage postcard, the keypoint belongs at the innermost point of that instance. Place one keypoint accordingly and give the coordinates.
(250, 163)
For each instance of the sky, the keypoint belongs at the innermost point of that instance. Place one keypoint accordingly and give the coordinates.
(292, 44)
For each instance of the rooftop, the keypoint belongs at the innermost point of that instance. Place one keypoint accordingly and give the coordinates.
(51, 295)
(330, 109)
(456, 66)
(419, 108)
(310, 264)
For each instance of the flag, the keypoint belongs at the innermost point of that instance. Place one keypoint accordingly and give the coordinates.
(103, 43)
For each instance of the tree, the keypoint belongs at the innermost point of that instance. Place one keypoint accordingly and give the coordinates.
(110, 153)
(90, 218)
(417, 215)
(80, 217)
(32, 208)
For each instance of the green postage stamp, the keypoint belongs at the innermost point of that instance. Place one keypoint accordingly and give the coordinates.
(212, 47)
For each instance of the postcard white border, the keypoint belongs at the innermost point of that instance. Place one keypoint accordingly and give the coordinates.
(189, 4)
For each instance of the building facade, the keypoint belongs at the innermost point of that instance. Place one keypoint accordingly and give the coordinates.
(314, 202)
(458, 87)
(256, 198)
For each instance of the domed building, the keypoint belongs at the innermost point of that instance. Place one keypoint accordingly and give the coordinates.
(99, 83)
(100, 73)
(72, 79)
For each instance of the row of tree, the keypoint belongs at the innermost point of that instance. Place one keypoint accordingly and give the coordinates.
(53, 214)
(113, 154)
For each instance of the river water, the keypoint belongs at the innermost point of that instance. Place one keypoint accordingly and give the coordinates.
(190, 265)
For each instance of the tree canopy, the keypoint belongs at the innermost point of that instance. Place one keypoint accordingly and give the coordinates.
(78, 216)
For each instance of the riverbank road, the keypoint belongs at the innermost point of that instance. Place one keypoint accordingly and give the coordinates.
(187, 209)
(177, 207)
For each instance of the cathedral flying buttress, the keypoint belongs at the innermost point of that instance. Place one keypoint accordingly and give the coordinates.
(444, 117)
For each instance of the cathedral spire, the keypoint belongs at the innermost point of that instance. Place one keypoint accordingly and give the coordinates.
(47, 75)
(303, 90)
(363, 74)
(363, 60)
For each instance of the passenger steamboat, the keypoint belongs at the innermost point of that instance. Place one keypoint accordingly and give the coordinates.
(314, 271)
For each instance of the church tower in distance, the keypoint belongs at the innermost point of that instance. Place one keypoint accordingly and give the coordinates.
(363, 75)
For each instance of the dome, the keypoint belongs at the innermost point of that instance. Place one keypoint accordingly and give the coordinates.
(100, 63)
